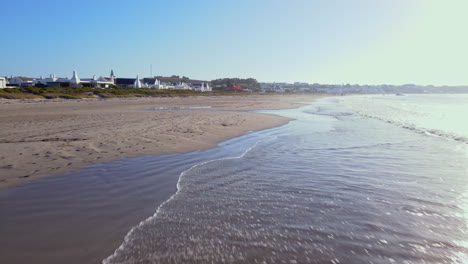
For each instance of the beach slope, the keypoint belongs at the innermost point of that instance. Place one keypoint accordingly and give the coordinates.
(49, 137)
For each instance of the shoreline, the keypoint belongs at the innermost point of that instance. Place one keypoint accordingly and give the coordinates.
(85, 215)
(43, 138)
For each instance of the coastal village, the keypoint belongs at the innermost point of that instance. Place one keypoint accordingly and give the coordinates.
(158, 82)
(176, 82)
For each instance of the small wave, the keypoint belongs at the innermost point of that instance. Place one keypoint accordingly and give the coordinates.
(421, 130)
(333, 114)
(128, 238)
(177, 108)
(430, 116)
(352, 147)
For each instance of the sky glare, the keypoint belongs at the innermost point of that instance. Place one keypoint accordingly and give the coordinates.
(324, 41)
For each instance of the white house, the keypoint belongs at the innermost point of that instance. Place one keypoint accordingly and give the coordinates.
(101, 82)
(156, 85)
(21, 81)
(44, 81)
(3, 82)
(137, 83)
(204, 87)
(75, 81)
(183, 86)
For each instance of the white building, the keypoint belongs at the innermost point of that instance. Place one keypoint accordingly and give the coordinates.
(101, 82)
(21, 81)
(44, 81)
(75, 81)
(205, 87)
(156, 85)
(3, 82)
(137, 83)
(274, 87)
(183, 86)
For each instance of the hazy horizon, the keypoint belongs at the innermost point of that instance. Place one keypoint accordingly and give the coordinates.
(330, 42)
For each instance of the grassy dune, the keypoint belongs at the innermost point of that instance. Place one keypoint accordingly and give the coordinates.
(84, 92)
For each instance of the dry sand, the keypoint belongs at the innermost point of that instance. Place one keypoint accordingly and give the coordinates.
(48, 137)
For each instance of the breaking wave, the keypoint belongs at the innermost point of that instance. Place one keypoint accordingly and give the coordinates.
(432, 115)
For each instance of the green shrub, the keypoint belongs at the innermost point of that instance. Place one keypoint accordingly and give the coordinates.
(19, 96)
(117, 92)
(113, 91)
(67, 96)
(34, 90)
(98, 91)
(12, 90)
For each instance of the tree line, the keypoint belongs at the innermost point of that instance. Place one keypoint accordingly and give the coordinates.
(249, 83)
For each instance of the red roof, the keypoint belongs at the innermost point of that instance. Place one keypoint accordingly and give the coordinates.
(235, 88)
(26, 79)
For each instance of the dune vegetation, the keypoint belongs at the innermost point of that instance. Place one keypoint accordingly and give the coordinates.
(88, 92)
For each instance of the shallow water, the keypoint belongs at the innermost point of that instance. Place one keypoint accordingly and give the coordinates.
(177, 108)
(333, 186)
(83, 216)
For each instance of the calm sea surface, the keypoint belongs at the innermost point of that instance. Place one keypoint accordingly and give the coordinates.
(358, 179)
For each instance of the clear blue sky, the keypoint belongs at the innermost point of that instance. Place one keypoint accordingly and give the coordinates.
(326, 41)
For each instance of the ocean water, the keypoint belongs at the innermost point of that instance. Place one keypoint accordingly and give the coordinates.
(381, 179)
(441, 115)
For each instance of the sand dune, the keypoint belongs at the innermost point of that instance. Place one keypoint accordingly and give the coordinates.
(48, 137)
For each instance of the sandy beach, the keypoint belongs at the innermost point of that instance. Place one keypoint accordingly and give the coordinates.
(48, 137)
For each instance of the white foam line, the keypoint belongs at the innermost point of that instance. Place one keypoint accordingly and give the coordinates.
(420, 130)
(128, 239)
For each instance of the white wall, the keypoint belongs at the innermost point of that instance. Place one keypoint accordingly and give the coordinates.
(2, 82)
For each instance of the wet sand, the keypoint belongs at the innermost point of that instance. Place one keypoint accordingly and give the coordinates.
(82, 217)
(49, 137)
